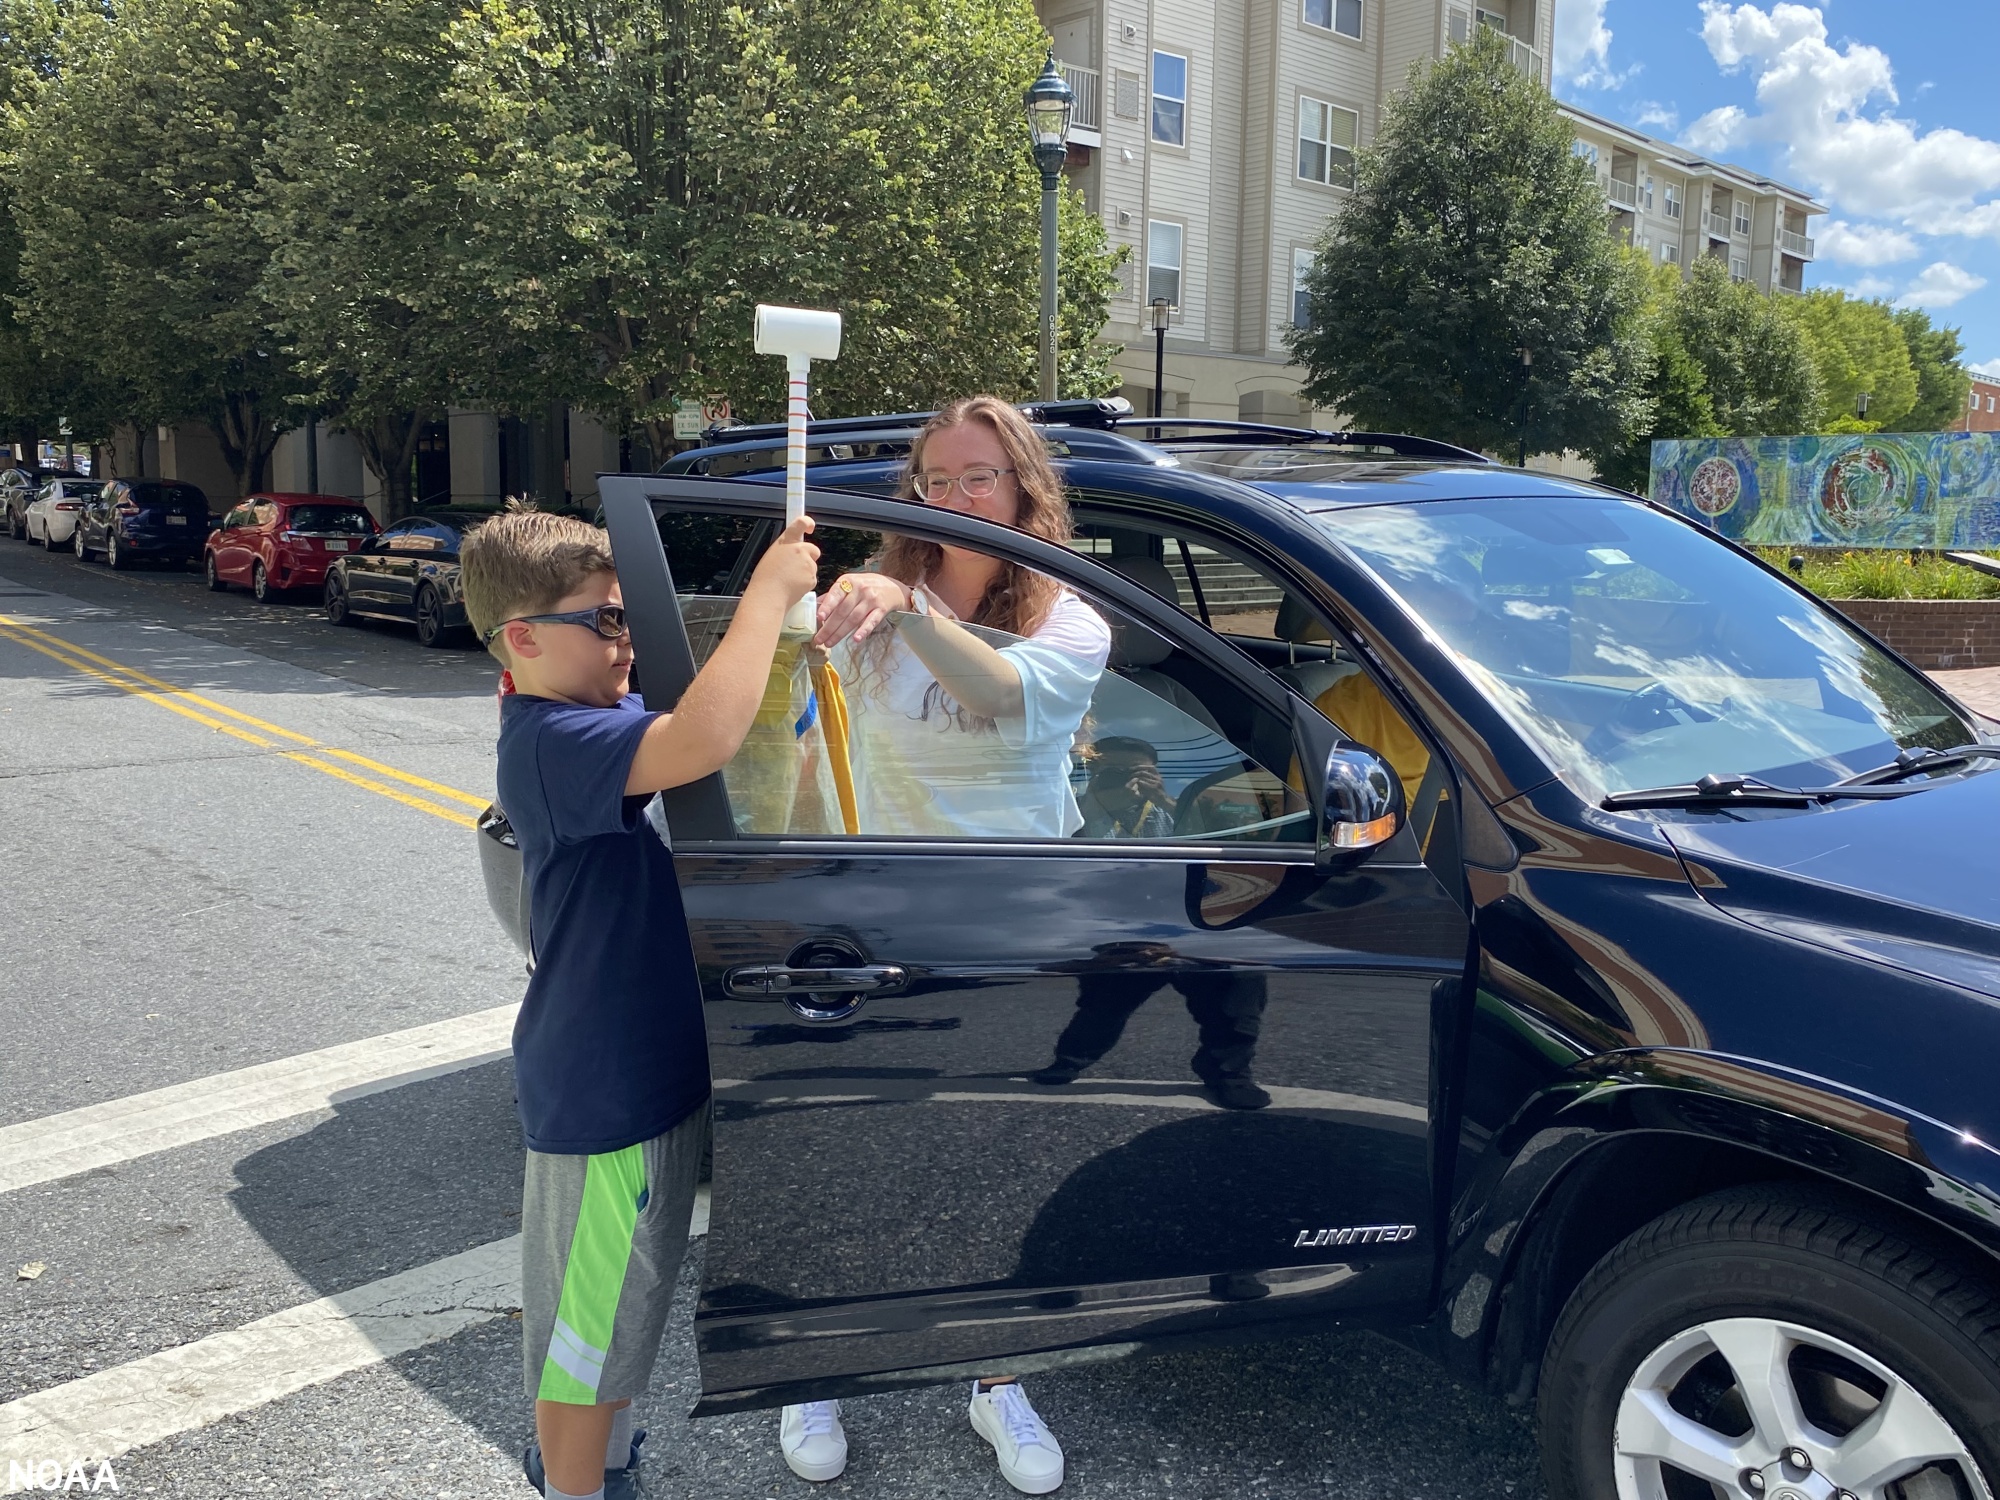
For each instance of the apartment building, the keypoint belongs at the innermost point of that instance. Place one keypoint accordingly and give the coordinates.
(1675, 205)
(1215, 138)
(1982, 406)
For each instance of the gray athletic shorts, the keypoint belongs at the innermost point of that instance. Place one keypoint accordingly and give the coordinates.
(602, 1239)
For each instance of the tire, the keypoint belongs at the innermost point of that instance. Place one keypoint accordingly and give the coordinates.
(76, 544)
(17, 526)
(49, 542)
(260, 584)
(335, 598)
(431, 629)
(114, 559)
(215, 583)
(1829, 1314)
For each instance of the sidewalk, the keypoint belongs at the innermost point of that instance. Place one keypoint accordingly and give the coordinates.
(1977, 688)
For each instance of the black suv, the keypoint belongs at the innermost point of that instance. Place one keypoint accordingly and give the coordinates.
(1610, 929)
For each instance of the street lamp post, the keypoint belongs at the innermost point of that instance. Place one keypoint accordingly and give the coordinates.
(1163, 312)
(1861, 407)
(1527, 369)
(1049, 101)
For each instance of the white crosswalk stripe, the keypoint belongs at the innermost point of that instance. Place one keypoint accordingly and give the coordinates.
(100, 1135)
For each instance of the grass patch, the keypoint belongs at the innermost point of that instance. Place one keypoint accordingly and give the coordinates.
(1880, 574)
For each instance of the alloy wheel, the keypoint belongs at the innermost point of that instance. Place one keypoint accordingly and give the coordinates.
(260, 583)
(82, 551)
(111, 558)
(1761, 1409)
(430, 617)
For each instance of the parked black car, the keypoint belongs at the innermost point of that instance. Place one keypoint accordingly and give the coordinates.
(1643, 1072)
(150, 520)
(19, 485)
(408, 571)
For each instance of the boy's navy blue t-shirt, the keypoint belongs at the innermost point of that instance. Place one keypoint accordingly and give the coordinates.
(609, 1049)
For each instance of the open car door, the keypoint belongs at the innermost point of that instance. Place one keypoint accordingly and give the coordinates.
(993, 1101)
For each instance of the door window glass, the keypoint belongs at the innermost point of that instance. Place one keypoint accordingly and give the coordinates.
(1086, 725)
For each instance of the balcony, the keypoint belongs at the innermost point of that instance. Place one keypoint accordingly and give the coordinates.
(1526, 58)
(1088, 112)
(1716, 224)
(1622, 194)
(1800, 245)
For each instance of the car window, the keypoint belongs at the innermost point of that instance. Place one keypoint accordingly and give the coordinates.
(1116, 734)
(263, 513)
(333, 520)
(1633, 650)
(238, 517)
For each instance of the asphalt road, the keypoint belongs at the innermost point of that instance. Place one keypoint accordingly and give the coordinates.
(201, 877)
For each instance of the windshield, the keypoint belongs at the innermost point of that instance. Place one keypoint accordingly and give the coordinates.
(341, 520)
(1634, 651)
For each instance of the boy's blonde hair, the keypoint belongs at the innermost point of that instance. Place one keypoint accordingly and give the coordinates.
(525, 562)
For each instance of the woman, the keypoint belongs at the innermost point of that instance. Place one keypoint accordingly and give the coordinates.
(951, 733)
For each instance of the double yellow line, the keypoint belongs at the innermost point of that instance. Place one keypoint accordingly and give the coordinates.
(385, 781)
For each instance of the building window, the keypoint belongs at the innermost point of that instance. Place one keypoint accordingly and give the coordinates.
(1302, 264)
(1646, 195)
(1588, 152)
(1163, 261)
(1739, 268)
(1170, 99)
(1672, 196)
(1326, 142)
(1742, 218)
(1670, 255)
(1343, 16)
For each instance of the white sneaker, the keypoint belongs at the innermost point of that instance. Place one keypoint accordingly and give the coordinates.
(814, 1444)
(1030, 1458)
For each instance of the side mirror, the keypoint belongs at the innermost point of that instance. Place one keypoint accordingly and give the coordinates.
(1363, 806)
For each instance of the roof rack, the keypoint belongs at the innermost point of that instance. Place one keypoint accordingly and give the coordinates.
(1100, 412)
(1209, 430)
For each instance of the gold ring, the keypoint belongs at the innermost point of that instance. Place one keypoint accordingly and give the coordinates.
(847, 585)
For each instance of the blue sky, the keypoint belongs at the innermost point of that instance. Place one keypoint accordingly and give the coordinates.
(1887, 113)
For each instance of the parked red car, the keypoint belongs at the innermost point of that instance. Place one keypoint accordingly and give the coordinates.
(275, 543)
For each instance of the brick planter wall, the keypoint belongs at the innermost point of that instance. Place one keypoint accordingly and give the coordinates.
(1932, 633)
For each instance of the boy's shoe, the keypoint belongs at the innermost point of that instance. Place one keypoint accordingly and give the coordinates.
(1030, 1458)
(813, 1441)
(619, 1484)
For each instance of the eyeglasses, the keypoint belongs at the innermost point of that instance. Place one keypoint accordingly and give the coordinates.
(608, 620)
(974, 484)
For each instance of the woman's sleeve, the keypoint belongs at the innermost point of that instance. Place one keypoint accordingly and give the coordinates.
(1060, 665)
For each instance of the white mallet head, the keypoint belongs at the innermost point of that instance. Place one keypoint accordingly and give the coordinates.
(797, 332)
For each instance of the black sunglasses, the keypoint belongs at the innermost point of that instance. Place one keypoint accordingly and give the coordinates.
(608, 620)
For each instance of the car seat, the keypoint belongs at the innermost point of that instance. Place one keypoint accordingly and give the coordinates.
(1136, 651)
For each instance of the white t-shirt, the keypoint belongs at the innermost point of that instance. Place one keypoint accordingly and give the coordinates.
(924, 765)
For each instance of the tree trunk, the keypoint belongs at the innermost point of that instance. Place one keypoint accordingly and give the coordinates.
(388, 442)
(247, 437)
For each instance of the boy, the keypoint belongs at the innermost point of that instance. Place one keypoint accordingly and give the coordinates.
(610, 1059)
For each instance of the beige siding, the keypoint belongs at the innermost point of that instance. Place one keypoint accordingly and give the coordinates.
(1225, 173)
(1260, 151)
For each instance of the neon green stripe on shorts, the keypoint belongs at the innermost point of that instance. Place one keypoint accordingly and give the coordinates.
(594, 1276)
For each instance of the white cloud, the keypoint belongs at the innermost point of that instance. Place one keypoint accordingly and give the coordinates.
(1989, 368)
(1583, 45)
(1654, 115)
(1864, 244)
(1871, 286)
(1813, 98)
(1940, 285)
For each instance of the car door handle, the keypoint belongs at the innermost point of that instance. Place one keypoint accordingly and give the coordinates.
(760, 981)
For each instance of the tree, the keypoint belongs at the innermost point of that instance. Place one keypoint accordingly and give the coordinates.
(1857, 348)
(1474, 233)
(1942, 383)
(1676, 388)
(134, 181)
(1756, 364)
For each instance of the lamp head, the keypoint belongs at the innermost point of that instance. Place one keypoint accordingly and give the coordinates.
(802, 331)
(1163, 312)
(1049, 101)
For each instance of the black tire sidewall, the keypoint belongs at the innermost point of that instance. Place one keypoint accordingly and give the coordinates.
(260, 583)
(1596, 1354)
(335, 601)
(438, 632)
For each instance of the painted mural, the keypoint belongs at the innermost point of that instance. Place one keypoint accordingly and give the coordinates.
(1931, 490)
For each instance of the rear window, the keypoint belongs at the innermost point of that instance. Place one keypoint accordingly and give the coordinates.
(173, 496)
(81, 486)
(337, 520)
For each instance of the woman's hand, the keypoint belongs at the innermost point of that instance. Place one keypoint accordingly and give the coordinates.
(856, 605)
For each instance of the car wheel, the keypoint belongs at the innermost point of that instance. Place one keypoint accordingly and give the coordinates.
(1758, 1342)
(17, 527)
(113, 558)
(260, 584)
(76, 542)
(431, 629)
(337, 611)
(49, 542)
(214, 575)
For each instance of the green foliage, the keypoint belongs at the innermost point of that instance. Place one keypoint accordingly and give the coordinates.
(1881, 574)
(1474, 232)
(1755, 361)
(1857, 347)
(1942, 383)
(133, 174)
(1676, 387)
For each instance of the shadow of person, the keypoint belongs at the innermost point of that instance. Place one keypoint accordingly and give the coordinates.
(1226, 1006)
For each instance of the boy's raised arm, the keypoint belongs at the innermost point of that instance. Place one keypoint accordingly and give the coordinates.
(707, 728)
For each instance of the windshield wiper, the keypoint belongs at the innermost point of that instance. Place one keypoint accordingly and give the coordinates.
(1918, 760)
(1747, 791)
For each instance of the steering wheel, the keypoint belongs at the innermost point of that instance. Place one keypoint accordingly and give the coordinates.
(1655, 706)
